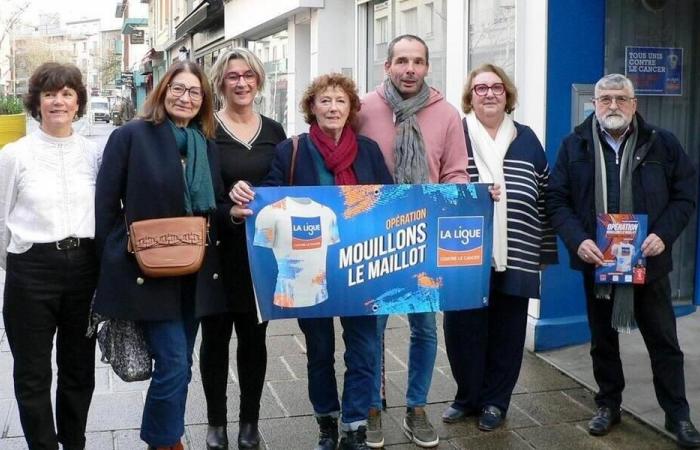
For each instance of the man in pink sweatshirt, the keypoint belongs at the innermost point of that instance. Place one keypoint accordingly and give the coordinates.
(422, 139)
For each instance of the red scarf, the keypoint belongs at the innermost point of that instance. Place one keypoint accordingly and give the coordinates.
(338, 158)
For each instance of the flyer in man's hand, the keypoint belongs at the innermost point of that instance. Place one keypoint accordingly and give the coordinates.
(620, 238)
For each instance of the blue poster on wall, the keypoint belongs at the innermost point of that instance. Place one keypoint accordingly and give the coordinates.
(324, 251)
(655, 70)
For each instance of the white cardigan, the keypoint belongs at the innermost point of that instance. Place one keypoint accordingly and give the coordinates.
(47, 191)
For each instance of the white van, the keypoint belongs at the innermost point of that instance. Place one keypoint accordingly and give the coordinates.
(99, 109)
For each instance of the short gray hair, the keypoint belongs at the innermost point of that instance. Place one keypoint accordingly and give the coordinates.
(614, 81)
(218, 70)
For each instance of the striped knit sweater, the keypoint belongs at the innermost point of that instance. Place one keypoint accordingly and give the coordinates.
(531, 239)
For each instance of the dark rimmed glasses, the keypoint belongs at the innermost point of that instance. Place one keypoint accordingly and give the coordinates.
(483, 89)
(178, 90)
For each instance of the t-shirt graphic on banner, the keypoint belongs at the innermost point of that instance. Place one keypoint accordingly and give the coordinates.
(299, 231)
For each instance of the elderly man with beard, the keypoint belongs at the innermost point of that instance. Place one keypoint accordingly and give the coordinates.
(615, 162)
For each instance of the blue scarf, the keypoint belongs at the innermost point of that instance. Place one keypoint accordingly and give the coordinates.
(199, 190)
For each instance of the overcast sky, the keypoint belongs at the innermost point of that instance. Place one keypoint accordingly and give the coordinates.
(69, 10)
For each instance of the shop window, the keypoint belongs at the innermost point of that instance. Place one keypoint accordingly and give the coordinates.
(491, 33)
(389, 18)
(272, 51)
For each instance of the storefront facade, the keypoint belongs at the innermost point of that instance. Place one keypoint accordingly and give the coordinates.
(585, 41)
(554, 50)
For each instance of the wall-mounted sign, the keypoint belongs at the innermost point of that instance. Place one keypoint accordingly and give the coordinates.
(655, 70)
(137, 37)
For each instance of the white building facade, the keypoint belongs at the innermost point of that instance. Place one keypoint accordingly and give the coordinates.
(300, 39)
(554, 50)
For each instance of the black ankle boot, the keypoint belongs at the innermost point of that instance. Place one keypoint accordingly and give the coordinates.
(355, 440)
(217, 438)
(248, 436)
(327, 433)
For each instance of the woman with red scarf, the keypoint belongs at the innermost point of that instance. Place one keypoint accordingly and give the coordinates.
(331, 154)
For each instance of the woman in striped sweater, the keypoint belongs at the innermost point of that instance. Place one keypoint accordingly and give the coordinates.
(485, 346)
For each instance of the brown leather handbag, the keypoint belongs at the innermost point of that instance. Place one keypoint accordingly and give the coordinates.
(169, 247)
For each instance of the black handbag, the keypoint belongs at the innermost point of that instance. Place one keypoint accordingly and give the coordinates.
(124, 347)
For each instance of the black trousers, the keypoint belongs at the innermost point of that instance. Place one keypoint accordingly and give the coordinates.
(251, 360)
(47, 292)
(654, 314)
(485, 350)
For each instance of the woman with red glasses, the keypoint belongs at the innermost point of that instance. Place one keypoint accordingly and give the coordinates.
(246, 142)
(486, 359)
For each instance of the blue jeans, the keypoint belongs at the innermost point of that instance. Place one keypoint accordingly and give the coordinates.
(421, 359)
(360, 349)
(171, 342)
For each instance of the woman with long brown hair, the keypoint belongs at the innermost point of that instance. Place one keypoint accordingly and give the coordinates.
(158, 167)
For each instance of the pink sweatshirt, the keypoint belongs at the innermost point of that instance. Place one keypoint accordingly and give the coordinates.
(439, 124)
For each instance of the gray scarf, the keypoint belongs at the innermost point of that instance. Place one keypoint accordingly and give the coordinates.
(409, 149)
(623, 298)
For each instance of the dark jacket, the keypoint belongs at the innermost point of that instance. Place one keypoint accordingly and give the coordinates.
(369, 164)
(141, 169)
(526, 173)
(663, 183)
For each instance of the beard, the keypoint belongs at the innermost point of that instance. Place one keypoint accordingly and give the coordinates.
(615, 122)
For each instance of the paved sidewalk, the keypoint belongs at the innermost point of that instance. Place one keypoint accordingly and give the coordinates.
(549, 410)
(638, 397)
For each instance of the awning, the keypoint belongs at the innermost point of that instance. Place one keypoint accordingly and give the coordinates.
(201, 16)
(132, 23)
(140, 78)
(152, 55)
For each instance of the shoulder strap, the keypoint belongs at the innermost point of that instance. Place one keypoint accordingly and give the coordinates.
(295, 145)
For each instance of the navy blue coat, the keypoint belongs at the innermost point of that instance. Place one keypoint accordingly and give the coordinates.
(663, 183)
(141, 170)
(369, 164)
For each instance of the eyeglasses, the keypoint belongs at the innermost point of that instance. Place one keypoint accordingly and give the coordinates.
(606, 100)
(483, 89)
(248, 77)
(178, 90)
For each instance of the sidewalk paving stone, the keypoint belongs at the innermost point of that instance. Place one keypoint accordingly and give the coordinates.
(548, 409)
(493, 441)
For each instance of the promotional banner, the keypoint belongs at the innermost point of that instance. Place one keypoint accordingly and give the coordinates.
(324, 251)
